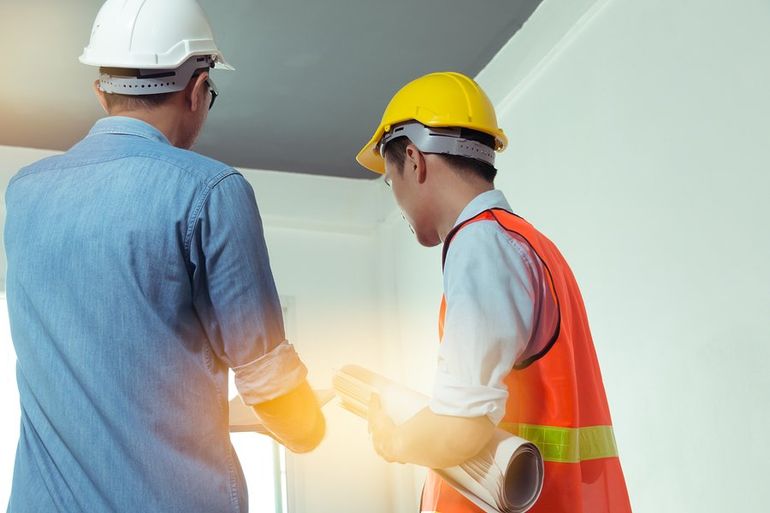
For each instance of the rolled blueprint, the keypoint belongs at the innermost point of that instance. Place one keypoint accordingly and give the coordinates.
(505, 477)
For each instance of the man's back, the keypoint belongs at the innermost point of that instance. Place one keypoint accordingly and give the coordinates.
(122, 356)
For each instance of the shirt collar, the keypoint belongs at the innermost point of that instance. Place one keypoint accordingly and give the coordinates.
(128, 126)
(482, 202)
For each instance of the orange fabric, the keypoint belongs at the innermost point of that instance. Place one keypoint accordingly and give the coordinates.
(439, 496)
(561, 388)
(441, 317)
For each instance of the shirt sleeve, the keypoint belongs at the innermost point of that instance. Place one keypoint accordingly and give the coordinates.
(234, 292)
(491, 288)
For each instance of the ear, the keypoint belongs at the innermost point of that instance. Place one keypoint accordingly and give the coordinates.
(195, 94)
(415, 163)
(100, 96)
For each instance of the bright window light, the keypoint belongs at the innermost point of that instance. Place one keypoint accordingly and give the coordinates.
(264, 466)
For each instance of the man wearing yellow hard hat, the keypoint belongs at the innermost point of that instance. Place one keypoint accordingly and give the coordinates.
(516, 350)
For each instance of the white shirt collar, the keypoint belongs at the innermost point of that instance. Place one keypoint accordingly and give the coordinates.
(482, 202)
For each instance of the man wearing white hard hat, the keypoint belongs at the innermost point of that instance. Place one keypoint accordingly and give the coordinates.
(137, 276)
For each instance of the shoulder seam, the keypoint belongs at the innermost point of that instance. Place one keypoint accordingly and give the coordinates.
(509, 244)
(204, 196)
(516, 242)
(146, 155)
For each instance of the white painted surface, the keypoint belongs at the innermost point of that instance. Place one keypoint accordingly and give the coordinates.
(331, 277)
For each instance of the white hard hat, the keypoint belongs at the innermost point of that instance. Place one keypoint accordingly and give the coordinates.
(151, 35)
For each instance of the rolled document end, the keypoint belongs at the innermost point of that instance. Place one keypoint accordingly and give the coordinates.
(505, 477)
(523, 480)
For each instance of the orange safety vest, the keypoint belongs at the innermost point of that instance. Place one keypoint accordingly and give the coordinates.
(556, 400)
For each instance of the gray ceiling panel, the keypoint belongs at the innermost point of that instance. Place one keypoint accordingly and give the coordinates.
(312, 79)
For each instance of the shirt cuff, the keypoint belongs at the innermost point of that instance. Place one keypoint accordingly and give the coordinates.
(272, 375)
(468, 401)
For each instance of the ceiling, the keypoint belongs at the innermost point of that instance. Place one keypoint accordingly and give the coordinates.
(312, 79)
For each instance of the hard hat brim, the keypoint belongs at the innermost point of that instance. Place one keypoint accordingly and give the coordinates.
(369, 157)
(222, 64)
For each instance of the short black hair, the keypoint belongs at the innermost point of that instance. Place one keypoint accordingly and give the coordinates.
(395, 151)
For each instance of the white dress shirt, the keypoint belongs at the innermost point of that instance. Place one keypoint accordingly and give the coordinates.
(500, 311)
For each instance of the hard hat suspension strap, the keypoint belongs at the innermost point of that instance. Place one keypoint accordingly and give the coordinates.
(446, 141)
(155, 81)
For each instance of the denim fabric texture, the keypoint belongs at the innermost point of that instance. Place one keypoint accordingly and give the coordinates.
(137, 275)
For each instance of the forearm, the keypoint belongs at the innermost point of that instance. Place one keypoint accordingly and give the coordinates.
(439, 441)
(294, 419)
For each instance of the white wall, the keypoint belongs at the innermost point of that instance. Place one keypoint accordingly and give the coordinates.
(331, 279)
(640, 144)
(322, 243)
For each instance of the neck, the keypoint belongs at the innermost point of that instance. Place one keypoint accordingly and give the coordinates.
(456, 197)
(162, 118)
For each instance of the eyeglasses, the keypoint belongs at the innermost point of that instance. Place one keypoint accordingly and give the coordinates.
(213, 90)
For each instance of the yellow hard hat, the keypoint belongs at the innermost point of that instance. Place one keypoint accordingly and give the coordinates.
(444, 99)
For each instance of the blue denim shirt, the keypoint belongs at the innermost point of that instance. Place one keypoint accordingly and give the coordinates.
(137, 275)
